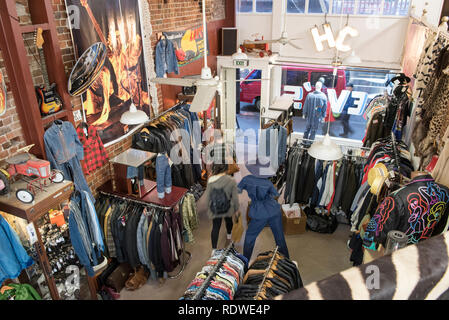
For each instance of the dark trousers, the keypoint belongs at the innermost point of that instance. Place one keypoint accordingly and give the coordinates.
(256, 226)
(345, 123)
(216, 225)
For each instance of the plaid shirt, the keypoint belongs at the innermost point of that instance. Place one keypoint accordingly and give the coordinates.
(95, 155)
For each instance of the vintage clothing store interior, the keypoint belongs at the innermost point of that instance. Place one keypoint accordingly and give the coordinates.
(224, 150)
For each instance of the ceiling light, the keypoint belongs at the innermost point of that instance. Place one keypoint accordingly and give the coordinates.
(353, 59)
(326, 150)
(134, 116)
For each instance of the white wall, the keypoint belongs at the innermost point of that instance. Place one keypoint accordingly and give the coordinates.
(380, 44)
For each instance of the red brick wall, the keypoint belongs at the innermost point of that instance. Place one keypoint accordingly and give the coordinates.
(175, 15)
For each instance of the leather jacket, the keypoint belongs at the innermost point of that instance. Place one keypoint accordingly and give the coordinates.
(416, 209)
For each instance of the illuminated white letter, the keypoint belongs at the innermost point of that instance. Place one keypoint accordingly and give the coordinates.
(327, 36)
(342, 36)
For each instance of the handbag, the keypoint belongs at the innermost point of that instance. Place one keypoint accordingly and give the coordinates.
(237, 229)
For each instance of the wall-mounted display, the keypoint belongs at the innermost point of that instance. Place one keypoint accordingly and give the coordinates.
(122, 80)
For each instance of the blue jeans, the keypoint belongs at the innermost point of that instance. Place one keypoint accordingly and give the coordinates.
(310, 131)
(163, 176)
(255, 227)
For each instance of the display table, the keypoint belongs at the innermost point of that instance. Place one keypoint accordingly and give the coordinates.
(131, 158)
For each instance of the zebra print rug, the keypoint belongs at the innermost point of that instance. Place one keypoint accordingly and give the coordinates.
(417, 272)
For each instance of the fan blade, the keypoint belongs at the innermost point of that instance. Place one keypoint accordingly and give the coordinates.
(175, 81)
(260, 41)
(290, 39)
(203, 98)
(294, 45)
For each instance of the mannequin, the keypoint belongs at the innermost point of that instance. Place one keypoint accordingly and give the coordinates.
(314, 110)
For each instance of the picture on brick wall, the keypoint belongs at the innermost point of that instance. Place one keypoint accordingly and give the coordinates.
(188, 44)
(116, 23)
(2, 95)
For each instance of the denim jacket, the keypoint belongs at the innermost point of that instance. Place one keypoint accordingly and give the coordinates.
(261, 192)
(62, 143)
(13, 257)
(315, 108)
(166, 60)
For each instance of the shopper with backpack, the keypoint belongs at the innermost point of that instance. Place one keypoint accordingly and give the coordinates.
(222, 201)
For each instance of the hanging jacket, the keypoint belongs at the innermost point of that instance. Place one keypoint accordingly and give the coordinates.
(166, 61)
(64, 151)
(13, 257)
(419, 210)
(262, 194)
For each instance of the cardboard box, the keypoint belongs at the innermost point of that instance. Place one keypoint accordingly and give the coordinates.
(294, 225)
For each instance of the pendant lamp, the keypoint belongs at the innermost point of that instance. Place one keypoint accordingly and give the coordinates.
(326, 149)
(133, 116)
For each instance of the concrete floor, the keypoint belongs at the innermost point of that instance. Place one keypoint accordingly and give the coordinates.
(318, 255)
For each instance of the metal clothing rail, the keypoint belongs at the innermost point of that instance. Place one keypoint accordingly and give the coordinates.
(266, 273)
(175, 107)
(148, 204)
(205, 284)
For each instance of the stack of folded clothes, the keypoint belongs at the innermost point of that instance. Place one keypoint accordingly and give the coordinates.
(225, 278)
(269, 277)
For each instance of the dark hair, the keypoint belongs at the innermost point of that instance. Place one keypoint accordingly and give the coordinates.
(218, 168)
(350, 85)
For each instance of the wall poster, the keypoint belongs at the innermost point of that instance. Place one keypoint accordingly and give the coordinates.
(123, 79)
(189, 44)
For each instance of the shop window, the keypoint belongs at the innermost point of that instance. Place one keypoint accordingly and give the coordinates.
(343, 6)
(370, 7)
(396, 7)
(264, 6)
(245, 5)
(295, 77)
(318, 6)
(296, 6)
(329, 80)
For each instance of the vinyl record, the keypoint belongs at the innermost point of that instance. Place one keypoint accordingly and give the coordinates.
(87, 69)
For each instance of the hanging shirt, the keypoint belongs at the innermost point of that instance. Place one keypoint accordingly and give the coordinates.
(95, 155)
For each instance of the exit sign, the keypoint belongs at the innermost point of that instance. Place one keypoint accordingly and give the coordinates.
(241, 63)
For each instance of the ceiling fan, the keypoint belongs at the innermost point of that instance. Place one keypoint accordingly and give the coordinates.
(206, 85)
(284, 39)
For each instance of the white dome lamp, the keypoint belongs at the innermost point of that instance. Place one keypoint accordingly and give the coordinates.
(134, 116)
(326, 149)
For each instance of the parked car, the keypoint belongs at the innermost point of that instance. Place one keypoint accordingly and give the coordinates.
(293, 77)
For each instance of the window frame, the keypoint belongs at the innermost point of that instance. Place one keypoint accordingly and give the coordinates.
(355, 14)
(253, 11)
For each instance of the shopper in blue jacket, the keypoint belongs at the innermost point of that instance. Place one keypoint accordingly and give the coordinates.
(264, 210)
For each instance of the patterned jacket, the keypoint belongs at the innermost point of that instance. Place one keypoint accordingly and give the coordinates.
(419, 210)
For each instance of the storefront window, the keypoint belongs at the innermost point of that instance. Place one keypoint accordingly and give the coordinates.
(343, 7)
(318, 6)
(299, 81)
(245, 5)
(396, 7)
(264, 5)
(296, 6)
(370, 7)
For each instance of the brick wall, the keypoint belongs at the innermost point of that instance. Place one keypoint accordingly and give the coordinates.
(175, 15)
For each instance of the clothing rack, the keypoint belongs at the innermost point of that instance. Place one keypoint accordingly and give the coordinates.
(175, 107)
(266, 273)
(205, 284)
(149, 204)
(396, 156)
